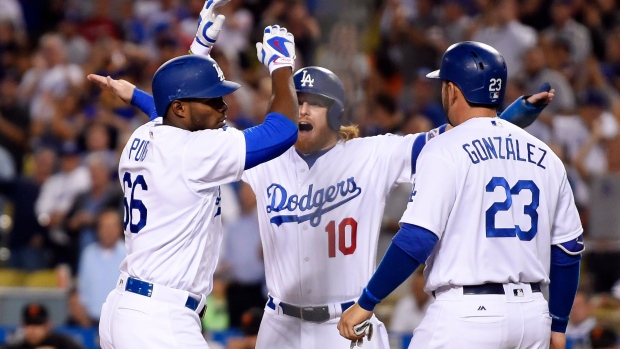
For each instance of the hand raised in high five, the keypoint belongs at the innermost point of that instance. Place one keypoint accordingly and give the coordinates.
(277, 49)
(209, 27)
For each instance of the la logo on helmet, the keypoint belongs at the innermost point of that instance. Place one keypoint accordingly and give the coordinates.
(307, 79)
(220, 73)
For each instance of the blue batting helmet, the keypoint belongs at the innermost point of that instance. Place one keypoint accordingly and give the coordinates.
(322, 82)
(189, 76)
(477, 69)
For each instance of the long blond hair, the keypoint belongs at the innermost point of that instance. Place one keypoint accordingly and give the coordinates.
(348, 132)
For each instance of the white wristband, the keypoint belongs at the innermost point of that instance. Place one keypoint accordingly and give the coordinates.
(281, 62)
(199, 49)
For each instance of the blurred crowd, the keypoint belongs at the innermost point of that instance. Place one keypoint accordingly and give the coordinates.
(60, 136)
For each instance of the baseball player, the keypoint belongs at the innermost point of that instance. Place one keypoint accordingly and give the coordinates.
(493, 217)
(170, 171)
(320, 208)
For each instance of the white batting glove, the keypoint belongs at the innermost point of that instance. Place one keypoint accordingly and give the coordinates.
(365, 328)
(209, 27)
(277, 49)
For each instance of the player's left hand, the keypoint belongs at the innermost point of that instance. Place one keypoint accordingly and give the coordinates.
(209, 27)
(543, 97)
(558, 340)
(353, 318)
(122, 88)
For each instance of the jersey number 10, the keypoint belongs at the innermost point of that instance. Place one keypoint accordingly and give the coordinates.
(342, 240)
(530, 210)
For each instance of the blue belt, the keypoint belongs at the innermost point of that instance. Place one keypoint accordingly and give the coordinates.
(144, 288)
(314, 314)
(492, 288)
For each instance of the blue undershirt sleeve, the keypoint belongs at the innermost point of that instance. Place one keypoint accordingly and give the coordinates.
(521, 112)
(269, 139)
(418, 144)
(564, 276)
(144, 102)
(410, 247)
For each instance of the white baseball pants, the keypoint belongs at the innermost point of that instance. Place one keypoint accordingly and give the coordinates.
(285, 332)
(518, 319)
(130, 320)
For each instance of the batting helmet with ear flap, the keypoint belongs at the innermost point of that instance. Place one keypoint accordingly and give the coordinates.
(322, 82)
(477, 69)
(189, 76)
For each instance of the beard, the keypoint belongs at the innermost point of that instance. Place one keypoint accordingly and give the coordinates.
(314, 141)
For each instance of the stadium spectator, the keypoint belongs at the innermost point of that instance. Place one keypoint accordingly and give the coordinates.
(28, 243)
(581, 322)
(14, 120)
(38, 333)
(99, 264)
(244, 262)
(566, 27)
(50, 77)
(604, 338)
(506, 34)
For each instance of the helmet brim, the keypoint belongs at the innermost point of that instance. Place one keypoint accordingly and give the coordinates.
(222, 89)
(433, 74)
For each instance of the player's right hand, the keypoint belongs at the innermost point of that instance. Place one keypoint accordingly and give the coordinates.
(353, 325)
(209, 27)
(543, 97)
(122, 88)
(277, 49)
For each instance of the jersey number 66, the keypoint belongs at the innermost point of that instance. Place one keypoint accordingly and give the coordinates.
(133, 204)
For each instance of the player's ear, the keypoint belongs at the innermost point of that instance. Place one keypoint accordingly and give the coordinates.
(452, 92)
(179, 109)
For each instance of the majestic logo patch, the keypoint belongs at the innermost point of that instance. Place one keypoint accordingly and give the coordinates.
(318, 201)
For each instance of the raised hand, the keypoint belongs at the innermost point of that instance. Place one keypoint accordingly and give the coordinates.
(543, 97)
(122, 88)
(277, 49)
(209, 27)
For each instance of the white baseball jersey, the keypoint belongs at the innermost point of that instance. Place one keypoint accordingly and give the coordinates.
(171, 180)
(497, 198)
(320, 225)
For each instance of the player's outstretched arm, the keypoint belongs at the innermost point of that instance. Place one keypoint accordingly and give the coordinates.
(526, 109)
(121, 88)
(128, 92)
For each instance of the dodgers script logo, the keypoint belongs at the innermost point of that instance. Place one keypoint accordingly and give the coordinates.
(334, 195)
